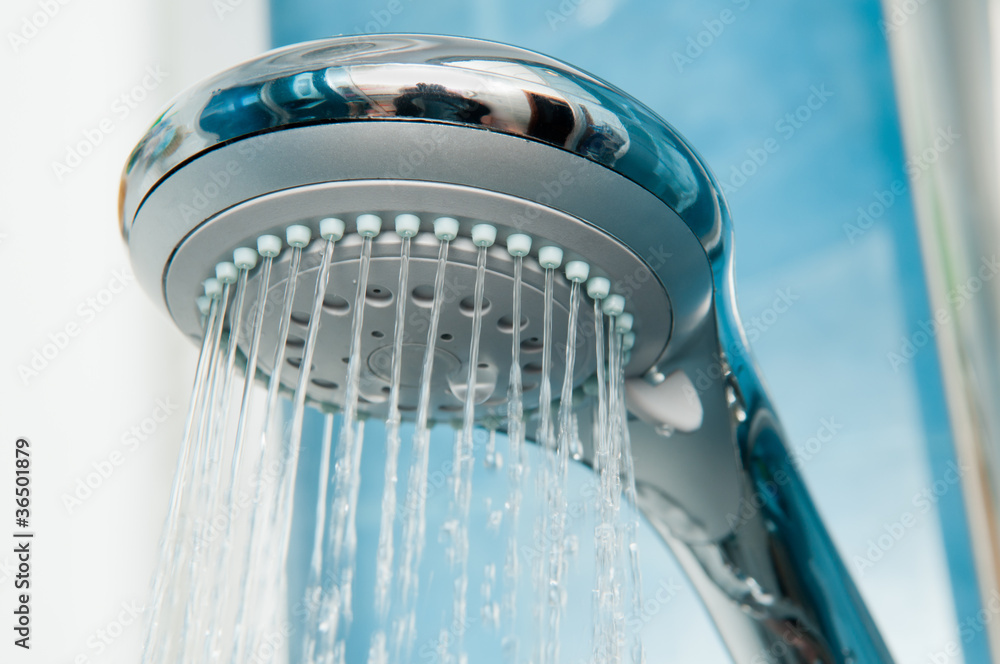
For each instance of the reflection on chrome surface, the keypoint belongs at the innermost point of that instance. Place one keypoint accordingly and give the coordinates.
(429, 79)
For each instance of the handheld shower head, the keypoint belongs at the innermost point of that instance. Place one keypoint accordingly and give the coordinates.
(409, 130)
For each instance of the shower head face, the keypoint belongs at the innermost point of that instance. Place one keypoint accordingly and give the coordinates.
(271, 214)
(328, 377)
(386, 125)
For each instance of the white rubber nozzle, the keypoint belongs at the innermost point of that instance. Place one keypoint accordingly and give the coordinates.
(623, 323)
(213, 288)
(550, 257)
(628, 341)
(226, 273)
(298, 235)
(446, 228)
(518, 244)
(407, 225)
(598, 288)
(331, 228)
(245, 258)
(269, 246)
(614, 305)
(204, 303)
(484, 235)
(577, 271)
(369, 225)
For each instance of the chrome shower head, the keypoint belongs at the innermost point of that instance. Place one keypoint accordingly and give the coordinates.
(429, 126)
(481, 132)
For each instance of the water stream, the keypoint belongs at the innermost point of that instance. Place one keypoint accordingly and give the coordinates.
(415, 518)
(227, 589)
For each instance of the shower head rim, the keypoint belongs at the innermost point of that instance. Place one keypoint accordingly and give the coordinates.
(603, 124)
(671, 253)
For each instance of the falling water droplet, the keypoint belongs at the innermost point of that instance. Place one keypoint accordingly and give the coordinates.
(378, 652)
(548, 479)
(415, 521)
(206, 545)
(171, 549)
(314, 584)
(556, 477)
(259, 545)
(229, 507)
(281, 521)
(463, 459)
(516, 471)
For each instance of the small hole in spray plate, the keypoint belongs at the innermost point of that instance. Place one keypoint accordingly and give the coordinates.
(378, 296)
(532, 345)
(506, 324)
(336, 305)
(532, 368)
(300, 318)
(296, 362)
(295, 342)
(378, 334)
(423, 295)
(468, 305)
(447, 336)
(326, 384)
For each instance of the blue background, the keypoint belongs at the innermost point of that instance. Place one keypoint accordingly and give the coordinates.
(728, 81)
